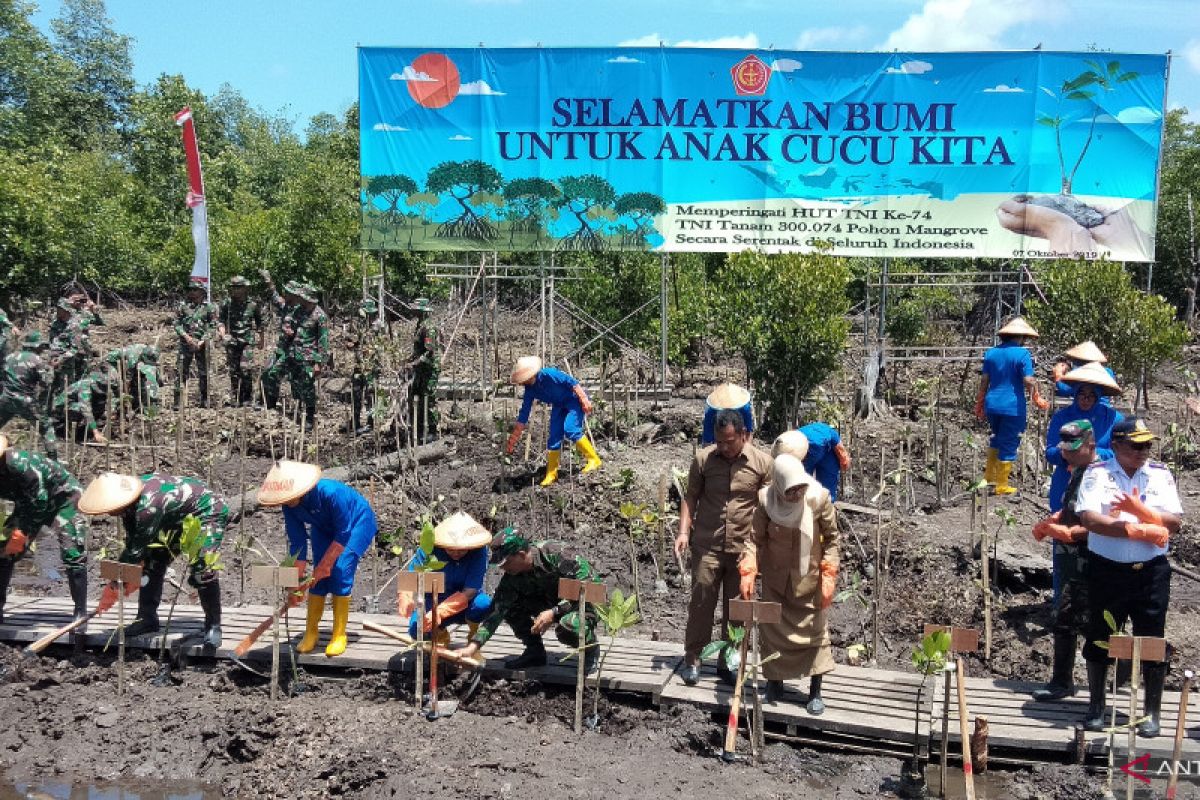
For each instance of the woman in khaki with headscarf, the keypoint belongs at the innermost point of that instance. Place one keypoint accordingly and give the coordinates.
(794, 546)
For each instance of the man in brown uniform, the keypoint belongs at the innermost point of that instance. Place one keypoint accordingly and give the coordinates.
(714, 521)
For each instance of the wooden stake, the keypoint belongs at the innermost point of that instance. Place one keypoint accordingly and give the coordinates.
(420, 654)
(963, 732)
(580, 675)
(1135, 676)
(735, 704)
(945, 744)
(1180, 729)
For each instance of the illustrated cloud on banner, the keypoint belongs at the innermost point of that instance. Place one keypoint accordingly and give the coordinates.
(977, 155)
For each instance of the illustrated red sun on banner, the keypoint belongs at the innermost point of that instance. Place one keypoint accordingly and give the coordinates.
(442, 89)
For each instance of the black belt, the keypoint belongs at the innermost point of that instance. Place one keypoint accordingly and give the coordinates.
(1128, 566)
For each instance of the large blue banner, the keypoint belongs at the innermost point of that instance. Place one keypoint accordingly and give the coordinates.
(999, 155)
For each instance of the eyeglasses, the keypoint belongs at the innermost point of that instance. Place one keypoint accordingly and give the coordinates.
(1139, 445)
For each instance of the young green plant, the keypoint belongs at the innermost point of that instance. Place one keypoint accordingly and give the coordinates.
(929, 658)
(619, 613)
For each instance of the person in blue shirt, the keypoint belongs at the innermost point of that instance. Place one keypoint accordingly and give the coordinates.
(1082, 353)
(460, 543)
(335, 518)
(726, 396)
(1089, 384)
(569, 407)
(826, 457)
(1006, 374)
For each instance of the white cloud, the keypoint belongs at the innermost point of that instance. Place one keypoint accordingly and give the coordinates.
(1134, 115)
(910, 68)
(624, 60)
(747, 42)
(479, 87)
(1004, 88)
(388, 127)
(649, 40)
(410, 74)
(458, 137)
(1191, 54)
(813, 37)
(964, 24)
(1047, 91)
(785, 65)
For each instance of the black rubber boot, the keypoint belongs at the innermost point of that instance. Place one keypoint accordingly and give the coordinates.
(6, 571)
(77, 583)
(533, 656)
(1061, 683)
(149, 596)
(774, 691)
(590, 659)
(210, 601)
(203, 391)
(1097, 672)
(815, 706)
(1155, 677)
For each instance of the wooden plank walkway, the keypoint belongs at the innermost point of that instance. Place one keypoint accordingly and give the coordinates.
(1017, 723)
(864, 707)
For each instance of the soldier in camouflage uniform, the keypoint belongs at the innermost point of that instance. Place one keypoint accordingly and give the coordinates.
(527, 599)
(70, 346)
(6, 328)
(195, 321)
(425, 364)
(306, 331)
(367, 365)
(87, 310)
(84, 400)
(152, 510)
(239, 318)
(44, 497)
(139, 363)
(286, 306)
(25, 389)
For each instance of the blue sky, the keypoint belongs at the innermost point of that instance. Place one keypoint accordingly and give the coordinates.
(298, 57)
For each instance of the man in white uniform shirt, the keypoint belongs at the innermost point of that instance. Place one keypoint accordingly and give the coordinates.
(1130, 507)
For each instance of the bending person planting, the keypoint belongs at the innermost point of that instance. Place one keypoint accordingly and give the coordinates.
(332, 515)
(460, 543)
(1006, 375)
(44, 497)
(569, 407)
(527, 599)
(152, 509)
(794, 541)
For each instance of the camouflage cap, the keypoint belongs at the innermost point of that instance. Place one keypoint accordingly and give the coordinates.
(368, 307)
(33, 341)
(238, 281)
(66, 305)
(1075, 435)
(290, 287)
(306, 292)
(506, 543)
(420, 304)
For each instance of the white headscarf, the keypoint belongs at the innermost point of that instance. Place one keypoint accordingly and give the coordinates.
(788, 472)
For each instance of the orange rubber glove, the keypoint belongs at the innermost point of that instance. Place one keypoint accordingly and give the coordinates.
(296, 597)
(979, 412)
(1147, 532)
(453, 604)
(405, 601)
(829, 575)
(514, 437)
(16, 543)
(843, 456)
(108, 597)
(748, 569)
(1036, 397)
(1042, 528)
(1060, 368)
(1132, 504)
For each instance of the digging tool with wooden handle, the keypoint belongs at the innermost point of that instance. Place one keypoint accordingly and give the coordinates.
(1180, 729)
(443, 653)
(735, 704)
(107, 601)
(320, 573)
(964, 733)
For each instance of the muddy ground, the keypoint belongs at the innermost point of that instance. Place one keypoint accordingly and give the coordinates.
(354, 735)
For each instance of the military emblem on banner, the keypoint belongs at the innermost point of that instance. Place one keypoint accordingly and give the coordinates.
(751, 75)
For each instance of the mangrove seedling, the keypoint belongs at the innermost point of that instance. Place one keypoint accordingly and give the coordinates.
(929, 657)
(726, 649)
(192, 539)
(619, 613)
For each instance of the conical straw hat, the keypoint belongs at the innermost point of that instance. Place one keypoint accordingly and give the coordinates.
(526, 368)
(460, 531)
(1094, 374)
(1017, 326)
(1086, 351)
(3, 443)
(110, 492)
(286, 481)
(728, 395)
(793, 443)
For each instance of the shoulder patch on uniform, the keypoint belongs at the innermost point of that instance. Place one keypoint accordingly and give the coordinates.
(1158, 465)
(1096, 465)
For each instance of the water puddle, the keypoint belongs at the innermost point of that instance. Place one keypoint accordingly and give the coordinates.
(106, 790)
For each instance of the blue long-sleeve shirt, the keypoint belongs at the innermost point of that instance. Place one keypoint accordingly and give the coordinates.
(551, 386)
(466, 573)
(334, 512)
(821, 462)
(1102, 417)
(1006, 366)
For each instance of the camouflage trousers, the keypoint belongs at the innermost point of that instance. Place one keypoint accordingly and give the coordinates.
(362, 393)
(301, 378)
(520, 619)
(239, 361)
(184, 364)
(67, 525)
(143, 387)
(30, 409)
(199, 572)
(422, 402)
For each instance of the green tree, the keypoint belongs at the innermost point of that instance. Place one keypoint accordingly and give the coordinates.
(1097, 300)
(35, 81)
(786, 315)
(462, 180)
(1177, 270)
(587, 197)
(102, 76)
(641, 208)
(529, 199)
(391, 189)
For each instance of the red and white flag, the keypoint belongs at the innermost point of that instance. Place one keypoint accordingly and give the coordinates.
(195, 198)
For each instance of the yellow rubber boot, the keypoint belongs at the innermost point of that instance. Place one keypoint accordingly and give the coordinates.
(341, 614)
(1003, 470)
(989, 471)
(552, 457)
(591, 458)
(316, 608)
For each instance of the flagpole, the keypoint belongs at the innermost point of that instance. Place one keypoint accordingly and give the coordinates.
(195, 200)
